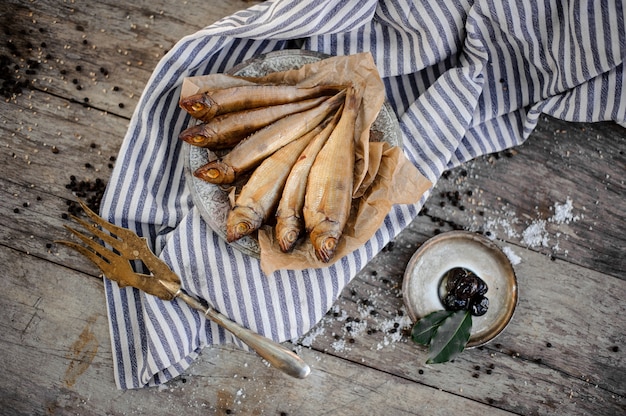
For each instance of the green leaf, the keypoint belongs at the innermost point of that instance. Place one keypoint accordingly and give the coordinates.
(450, 337)
(425, 328)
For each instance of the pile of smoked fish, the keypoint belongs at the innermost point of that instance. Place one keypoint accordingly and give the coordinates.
(296, 146)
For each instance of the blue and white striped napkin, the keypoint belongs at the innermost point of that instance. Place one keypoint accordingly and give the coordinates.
(464, 78)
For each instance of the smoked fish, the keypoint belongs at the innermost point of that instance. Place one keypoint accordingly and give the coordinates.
(289, 220)
(262, 143)
(260, 195)
(328, 197)
(206, 105)
(227, 130)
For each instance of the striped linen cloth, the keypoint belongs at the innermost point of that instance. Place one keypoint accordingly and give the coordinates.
(464, 78)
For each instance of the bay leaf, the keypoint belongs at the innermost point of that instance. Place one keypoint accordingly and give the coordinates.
(450, 337)
(425, 328)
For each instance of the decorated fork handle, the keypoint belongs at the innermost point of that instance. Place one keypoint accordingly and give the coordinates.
(274, 353)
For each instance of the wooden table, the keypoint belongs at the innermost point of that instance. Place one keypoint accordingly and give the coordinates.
(79, 68)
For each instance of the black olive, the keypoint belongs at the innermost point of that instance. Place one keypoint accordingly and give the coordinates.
(465, 283)
(453, 276)
(479, 305)
(481, 287)
(465, 290)
(452, 303)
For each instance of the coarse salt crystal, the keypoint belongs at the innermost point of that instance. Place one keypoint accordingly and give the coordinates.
(563, 213)
(535, 235)
(513, 258)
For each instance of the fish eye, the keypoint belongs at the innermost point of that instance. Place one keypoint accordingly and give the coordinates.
(213, 173)
(291, 236)
(242, 227)
(197, 139)
(197, 106)
(330, 243)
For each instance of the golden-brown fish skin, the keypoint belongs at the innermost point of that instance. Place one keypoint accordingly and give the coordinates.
(206, 105)
(328, 196)
(262, 143)
(225, 131)
(260, 195)
(289, 219)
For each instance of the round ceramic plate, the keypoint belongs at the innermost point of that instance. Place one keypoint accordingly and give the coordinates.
(212, 200)
(426, 269)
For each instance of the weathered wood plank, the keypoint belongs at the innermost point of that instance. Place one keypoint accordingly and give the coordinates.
(560, 193)
(45, 141)
(100, 52)
(63, 342)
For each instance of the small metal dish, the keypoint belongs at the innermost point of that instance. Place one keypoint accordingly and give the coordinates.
(425, 272)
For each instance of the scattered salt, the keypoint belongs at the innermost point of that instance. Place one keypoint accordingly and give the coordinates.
(355, 328)
(308, 338)
(339, 345)
(563, 213)
(513, 258)
(535, 235)
(382, 344)
(339, 314)
(505, 223)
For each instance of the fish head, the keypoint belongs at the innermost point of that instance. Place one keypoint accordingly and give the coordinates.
(196, 135)
(288, 230)
(200, 106)
(216, 172)
(242, 221)
(325, 242)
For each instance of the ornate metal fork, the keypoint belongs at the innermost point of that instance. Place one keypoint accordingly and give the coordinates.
(165, 284)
